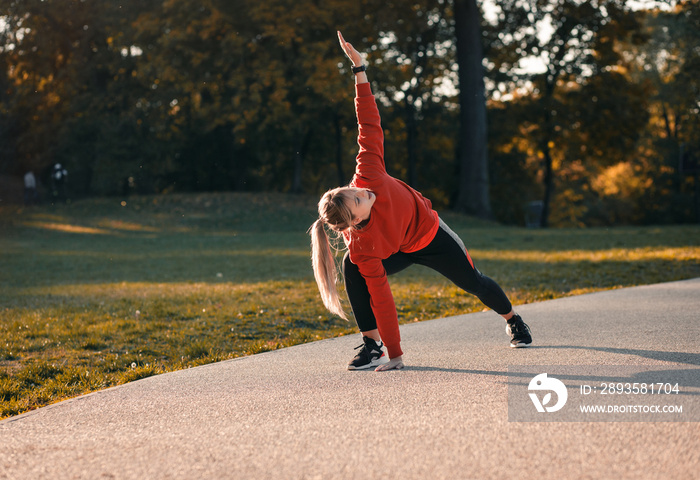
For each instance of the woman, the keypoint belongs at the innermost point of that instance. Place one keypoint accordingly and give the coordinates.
(388, 226)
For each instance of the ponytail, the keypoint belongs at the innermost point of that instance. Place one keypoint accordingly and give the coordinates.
(325, 272)
(333, 211)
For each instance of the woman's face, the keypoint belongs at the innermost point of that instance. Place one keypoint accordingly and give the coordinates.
(360, 204)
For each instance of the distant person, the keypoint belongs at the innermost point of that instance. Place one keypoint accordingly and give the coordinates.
(30, 193)
(59, 176)
(388, 226)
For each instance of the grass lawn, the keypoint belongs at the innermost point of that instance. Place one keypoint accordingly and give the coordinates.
(106, 291)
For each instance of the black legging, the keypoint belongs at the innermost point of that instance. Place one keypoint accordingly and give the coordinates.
(447, 255)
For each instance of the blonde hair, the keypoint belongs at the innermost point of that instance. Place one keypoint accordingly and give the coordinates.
(333, 211)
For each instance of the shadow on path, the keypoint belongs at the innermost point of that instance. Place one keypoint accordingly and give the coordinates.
(675, 357)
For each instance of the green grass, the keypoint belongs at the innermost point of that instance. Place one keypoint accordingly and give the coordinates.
(99, 293)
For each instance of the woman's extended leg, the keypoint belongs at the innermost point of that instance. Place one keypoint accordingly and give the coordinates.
(447, 255)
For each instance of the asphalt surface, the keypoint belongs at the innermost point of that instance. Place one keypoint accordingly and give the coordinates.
(297, 413)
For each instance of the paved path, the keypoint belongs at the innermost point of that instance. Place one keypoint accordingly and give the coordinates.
(296, 413)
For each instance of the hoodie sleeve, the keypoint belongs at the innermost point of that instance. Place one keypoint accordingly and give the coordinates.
(370, 159)
(382, 303)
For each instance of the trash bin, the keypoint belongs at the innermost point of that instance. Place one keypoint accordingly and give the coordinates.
(533, 214)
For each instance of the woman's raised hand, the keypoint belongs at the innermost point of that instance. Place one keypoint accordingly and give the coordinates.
(354, 56)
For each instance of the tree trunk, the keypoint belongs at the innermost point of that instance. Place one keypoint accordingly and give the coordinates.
(473, 194)
(548, 185)
(237, 162)
(339, 149)
(411, 136)
(299, 154)
(548, 135)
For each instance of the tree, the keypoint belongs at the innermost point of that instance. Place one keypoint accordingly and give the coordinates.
(68, 83)
(265, 86)
(669, 63)
(184, 95)
(571, 41)
(37, 47)
(473, 192)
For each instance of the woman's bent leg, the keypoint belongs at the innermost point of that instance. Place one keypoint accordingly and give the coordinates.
(371, 354)
(359, 297)
(358, 293)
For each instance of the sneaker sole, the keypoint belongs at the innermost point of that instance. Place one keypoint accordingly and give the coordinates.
(374, 363)
(520, 345)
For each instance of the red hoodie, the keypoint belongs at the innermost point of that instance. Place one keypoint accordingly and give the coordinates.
(401, 219)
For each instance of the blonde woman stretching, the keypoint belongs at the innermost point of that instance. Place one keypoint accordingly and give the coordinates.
(388, 226)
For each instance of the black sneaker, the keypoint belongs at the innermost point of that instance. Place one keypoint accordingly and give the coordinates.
(519, 332)
(371, 355)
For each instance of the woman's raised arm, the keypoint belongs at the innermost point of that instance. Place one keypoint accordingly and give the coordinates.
(370, 159)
